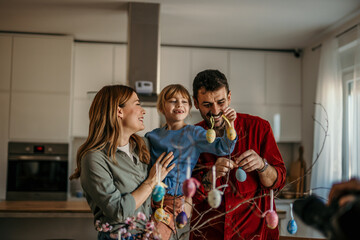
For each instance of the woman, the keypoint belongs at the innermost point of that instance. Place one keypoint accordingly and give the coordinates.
(113, 163)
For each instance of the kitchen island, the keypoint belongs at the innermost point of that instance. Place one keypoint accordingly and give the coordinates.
(45, 209)
(46, 220)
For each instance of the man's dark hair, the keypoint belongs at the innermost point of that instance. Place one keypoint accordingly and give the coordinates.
(211, 80)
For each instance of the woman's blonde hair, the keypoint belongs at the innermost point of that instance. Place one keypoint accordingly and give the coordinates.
(104, 127)
(169, 92)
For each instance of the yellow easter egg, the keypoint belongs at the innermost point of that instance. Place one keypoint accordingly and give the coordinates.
(210, 135)
(231, 134)
(159, 214)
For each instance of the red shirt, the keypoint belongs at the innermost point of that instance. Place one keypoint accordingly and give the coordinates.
(245, 222)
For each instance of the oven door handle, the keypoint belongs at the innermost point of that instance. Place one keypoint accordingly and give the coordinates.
(37, 158)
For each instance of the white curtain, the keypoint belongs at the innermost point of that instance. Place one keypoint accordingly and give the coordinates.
(354, 116)
(328, 166)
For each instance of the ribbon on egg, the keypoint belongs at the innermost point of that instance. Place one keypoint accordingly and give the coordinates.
(210, 133)
(292, 226)
(159, 190)
(271, 216)
(190, 184)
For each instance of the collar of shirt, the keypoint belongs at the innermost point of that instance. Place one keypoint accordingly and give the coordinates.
(126, 149)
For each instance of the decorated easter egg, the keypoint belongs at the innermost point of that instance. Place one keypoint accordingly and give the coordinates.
(230, 133)
(240, 175)
(181, 220)
(210, 135)
(159, 214)
(189, 187)
(292, 226)
(272, 219)
(158, 193)
(214, 198)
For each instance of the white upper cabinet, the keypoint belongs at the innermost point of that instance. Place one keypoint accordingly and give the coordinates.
(247, 77)
(39, 116)
(283, 79)
(120, 63)
(40, 93)
(4, 136)
(175, 67)
(42, 64)
(202, 59)
(93, 67)
(5, 62)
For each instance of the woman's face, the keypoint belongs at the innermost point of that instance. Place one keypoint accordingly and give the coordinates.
(132, 114)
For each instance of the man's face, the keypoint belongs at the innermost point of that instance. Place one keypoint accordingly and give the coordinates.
(213, 103)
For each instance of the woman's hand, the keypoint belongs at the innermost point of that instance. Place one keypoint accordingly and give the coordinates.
(163, 161)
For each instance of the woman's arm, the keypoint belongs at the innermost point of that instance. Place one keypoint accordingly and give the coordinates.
(145, 189)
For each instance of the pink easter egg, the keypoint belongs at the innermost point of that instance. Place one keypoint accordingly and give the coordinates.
(189, 187)
(272, 219)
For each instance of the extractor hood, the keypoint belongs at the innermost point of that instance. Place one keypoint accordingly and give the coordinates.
(143, 50)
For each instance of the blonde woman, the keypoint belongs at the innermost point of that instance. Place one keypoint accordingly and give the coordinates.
(113, 163)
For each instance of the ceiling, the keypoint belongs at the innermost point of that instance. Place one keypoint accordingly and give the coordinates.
(270, 24)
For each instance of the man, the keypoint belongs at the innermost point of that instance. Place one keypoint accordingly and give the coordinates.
(243, 203)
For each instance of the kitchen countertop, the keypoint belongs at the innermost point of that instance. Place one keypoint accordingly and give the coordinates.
(45, 209)
(49, 209)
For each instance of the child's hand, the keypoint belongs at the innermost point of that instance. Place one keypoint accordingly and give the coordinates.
(230, 114)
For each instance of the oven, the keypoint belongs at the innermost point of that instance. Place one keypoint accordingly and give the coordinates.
(37, 171)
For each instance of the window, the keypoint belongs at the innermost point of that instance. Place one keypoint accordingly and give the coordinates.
(350, 73)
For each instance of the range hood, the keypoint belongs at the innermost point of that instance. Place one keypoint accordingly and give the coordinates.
(143, 50)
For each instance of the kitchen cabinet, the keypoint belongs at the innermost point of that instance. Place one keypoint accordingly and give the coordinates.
(5, 78)
(247, 77)
(5, 62)
(42, 64)
(285, 121)
(120, 63)
(261, 83)
(40, 88)
(4, 135)
(202, 59)
(93, 68)
(95, 65)
(283, 79)
(175, 67)
(39, 116)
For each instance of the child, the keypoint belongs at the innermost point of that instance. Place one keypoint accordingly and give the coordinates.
(186, 142)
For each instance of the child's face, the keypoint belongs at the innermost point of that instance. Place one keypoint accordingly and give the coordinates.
(176, 108)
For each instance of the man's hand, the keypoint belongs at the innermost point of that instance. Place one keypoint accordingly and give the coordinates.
(249, 161)
(223, 166)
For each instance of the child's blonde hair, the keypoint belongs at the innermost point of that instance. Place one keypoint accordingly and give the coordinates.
(169, 92)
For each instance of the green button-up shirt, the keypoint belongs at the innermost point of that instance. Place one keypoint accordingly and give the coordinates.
(108, 186)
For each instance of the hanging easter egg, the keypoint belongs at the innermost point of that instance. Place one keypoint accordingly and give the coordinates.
(189, 187)
(272, 219)
(292, 226)
(210, 135)
(214, 198)
(230, 133)
(158, 193)
(240, 175)
(181, 220)
(159, 214)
